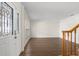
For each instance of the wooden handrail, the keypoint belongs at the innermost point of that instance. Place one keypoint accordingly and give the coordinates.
(74, 28)
(69, 50)
(70, 30)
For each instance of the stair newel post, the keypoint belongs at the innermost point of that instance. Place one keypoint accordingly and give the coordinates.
(75, 42)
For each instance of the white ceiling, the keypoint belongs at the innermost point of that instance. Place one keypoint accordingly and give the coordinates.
(51, 10)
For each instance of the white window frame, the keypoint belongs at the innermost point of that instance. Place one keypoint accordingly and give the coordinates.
(6, 19)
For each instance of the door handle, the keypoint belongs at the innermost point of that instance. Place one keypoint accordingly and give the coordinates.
(15, 37)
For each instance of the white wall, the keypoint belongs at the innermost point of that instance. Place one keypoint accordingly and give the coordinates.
(53, 28)
(44, 28)
(69, 23)
(25, 28)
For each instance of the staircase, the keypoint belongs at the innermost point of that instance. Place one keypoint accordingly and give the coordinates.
(70, 48)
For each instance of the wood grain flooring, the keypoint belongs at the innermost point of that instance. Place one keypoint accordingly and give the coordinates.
(43, 47)
(47, 47)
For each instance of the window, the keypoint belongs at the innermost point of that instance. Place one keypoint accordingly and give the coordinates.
(6, 19)
(18, 22)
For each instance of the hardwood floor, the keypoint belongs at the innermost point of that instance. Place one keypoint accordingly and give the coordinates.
(48, 47)
(43, 47)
